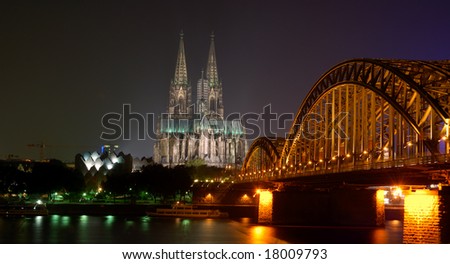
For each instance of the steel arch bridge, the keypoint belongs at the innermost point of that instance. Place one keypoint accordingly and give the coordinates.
(261, 157)
(363, 114)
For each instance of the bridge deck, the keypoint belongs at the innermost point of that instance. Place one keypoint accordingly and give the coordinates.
(413, 175)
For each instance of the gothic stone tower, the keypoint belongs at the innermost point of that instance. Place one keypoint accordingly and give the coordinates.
(180, 89)
(175, 143)
(184, 135)
(209, 90)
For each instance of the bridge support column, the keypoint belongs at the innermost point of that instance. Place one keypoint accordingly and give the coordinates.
(265, 207)
(343, 207)
(426, 217)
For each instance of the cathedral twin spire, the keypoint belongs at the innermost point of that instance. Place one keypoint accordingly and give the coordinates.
(181, 68)
(209, 94)
(193, 131)
(211, 71)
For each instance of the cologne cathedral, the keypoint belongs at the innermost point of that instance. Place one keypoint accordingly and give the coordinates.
(196, 129)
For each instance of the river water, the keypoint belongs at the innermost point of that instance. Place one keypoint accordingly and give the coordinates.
(424, 219)
(84, 229)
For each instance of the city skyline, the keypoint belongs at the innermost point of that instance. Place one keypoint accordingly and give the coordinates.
(66, 64)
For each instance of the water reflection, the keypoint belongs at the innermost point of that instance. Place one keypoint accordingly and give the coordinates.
(65, 221)
(109, 221)
(426, 221)
(150, 230)
(37, 232)
(264, 235)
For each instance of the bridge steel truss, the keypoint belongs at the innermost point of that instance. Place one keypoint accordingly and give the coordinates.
(366, 114)
(261, 159)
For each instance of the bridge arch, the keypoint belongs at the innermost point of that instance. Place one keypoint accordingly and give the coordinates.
(368, 112)
(262, 158)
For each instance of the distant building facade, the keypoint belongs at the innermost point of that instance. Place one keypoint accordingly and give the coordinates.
(196, 130)
(94, 166)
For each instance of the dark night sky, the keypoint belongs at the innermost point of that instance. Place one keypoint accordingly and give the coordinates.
(64, 64)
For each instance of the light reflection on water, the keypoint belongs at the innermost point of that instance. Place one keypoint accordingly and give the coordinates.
(113, 229)
(150, 230)
(264, 235)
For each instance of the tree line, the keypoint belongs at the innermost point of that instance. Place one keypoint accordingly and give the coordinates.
(39, 178)
(155, 181)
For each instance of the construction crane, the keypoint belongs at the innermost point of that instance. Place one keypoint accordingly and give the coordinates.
(42, 146)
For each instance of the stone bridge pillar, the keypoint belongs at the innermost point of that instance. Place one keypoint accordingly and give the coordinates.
(426, 217)
(265, 207)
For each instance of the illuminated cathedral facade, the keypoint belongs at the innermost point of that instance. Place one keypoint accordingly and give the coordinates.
(195, 129)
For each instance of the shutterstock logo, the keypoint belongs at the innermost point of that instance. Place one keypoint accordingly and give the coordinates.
(118, 125)
(128, 125)
(315, 126)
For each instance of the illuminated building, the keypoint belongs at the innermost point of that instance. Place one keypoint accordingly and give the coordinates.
(198, 131)
(94, 166)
